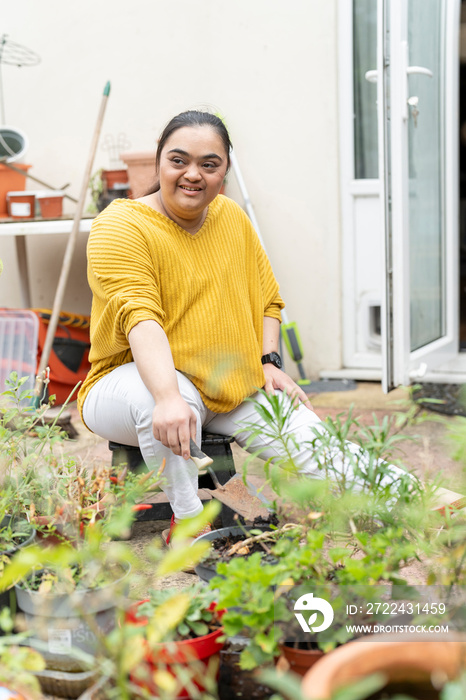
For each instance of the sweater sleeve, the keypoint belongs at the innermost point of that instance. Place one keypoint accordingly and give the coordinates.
(122, 276)
(273, 303)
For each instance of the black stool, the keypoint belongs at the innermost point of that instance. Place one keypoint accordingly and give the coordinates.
(218, 447)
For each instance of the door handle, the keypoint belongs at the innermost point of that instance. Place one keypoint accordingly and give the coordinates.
(372, 76)
(407, 70)
(419, 70)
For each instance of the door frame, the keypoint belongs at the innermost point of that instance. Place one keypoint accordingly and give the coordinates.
(364, 364)
(450, 368)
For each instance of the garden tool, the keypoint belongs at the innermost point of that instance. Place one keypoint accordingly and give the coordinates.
(41, 372)
(203, 461)
(234, 494)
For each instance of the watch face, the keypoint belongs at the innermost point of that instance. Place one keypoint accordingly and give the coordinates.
(276, 359)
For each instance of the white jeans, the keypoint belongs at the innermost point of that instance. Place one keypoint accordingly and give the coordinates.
(119, 408)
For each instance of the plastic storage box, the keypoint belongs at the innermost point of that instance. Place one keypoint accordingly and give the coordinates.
(21, 205)
(19, 330)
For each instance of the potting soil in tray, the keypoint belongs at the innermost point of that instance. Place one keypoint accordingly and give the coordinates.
(21, 532)
(221, 547)
(234, 682)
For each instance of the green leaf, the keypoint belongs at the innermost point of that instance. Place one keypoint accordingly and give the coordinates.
(361, 689)
(33, 661)
(192, 526)
(179, 558)
(286, 684)
(338, 553)
(199, 628)
(166, 617)
(183, 629)
(233, 623)
(266, 642)
(249, 660)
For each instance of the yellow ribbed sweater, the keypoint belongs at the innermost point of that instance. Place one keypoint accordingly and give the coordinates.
(209, 292)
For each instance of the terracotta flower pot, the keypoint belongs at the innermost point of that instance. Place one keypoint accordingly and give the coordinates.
(113, 177)
(187, 652)
(401, 662)
(300, 660)
(11, 181)
(141, 170)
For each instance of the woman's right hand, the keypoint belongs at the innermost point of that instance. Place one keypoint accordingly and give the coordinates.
(174, 423)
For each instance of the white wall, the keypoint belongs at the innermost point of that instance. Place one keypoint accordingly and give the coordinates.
(269, 67)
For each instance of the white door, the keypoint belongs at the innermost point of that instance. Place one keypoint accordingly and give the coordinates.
(418, 151)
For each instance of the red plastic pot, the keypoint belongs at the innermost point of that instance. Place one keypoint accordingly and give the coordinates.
(188, 652)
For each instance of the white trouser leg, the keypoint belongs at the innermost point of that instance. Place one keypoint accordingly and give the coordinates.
(301, 424)
(119, 408)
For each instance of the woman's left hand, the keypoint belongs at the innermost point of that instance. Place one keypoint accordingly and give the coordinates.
(276, 379)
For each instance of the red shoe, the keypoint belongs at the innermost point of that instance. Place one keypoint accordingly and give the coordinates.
(167, 534)
(448, 501)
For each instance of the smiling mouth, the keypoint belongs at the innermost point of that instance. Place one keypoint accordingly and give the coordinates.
(190, 189)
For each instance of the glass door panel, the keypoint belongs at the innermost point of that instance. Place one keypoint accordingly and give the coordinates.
(425, 159)
(364, 92)
(417, 71)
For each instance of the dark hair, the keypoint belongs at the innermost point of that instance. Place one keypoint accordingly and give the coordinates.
(192, 118)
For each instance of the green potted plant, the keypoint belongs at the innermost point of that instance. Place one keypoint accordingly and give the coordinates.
(106, 185)
(72, 597)
(96, 188)
(183, 635)
(76, 496)
(343, 535)
(15, 533)
(59, 494)
(263, 595)
(72, 586)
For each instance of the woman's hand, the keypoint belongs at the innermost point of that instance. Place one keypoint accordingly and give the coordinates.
(276, 379)
(174, 423)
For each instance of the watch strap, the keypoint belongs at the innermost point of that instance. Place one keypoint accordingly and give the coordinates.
(272, 357)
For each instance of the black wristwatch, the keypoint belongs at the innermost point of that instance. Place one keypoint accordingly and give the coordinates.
(274, 359)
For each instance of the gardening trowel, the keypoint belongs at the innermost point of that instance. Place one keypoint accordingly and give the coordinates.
(234, 494)
(200, 459)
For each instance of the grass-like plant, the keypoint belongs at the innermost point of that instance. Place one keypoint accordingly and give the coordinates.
(358, 522)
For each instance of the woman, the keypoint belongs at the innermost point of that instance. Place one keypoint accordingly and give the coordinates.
(185, 316)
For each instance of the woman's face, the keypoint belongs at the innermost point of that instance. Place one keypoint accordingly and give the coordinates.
(192, 168)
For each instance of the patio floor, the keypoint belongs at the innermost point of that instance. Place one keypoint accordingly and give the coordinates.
(429, 453)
